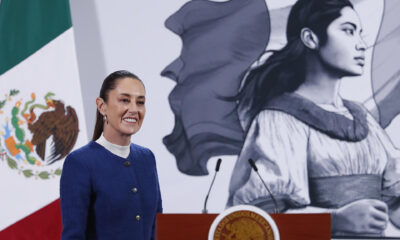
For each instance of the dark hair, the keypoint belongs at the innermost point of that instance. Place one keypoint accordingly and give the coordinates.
(109, 84)
(284, 70)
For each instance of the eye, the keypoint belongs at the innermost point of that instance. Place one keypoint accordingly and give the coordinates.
(349, 31)
(125, 100)
(140, 102)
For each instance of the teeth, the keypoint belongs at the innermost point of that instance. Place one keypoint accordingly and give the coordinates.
(132, 120)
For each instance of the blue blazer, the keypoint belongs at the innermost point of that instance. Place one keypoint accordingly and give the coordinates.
(104, 196)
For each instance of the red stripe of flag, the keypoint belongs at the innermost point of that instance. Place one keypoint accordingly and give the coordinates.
(44, 224)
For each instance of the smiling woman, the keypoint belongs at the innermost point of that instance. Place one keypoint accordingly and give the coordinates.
(124, 110)
(122, 100)
(109, 188)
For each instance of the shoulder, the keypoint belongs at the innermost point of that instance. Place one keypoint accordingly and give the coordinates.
(277, 118)
(142, 150)
(84, 153)
(88, 148)
(143, 155)
(276, 125)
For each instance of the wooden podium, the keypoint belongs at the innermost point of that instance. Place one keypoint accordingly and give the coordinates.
(196, 226)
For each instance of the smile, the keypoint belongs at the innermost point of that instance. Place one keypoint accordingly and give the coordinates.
(130, 120)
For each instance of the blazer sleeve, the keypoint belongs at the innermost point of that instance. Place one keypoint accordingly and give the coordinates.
(75, 191)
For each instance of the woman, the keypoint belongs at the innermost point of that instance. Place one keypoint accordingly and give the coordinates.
(316, 151)
(109, 188)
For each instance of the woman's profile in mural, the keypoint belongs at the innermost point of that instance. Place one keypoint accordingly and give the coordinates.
(314, 149)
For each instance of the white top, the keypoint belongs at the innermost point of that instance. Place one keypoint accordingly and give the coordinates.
(121, 151)
(288, 152)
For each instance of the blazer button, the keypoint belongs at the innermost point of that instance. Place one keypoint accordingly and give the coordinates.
(138, 217)
(134, 190)
(127, 163)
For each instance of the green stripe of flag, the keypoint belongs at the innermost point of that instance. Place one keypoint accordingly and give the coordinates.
(27, 25)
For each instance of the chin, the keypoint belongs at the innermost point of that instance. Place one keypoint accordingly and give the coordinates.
(130, 130)
(353, 73)
(342, 70)
(356, 74)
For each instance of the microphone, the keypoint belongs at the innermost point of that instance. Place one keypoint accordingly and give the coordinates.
(212, 183)
(253, 165)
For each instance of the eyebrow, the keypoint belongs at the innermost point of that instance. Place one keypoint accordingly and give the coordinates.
(350, 23)
(353, 25)
(129, 95)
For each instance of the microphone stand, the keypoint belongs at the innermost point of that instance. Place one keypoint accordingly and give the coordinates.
(212, 183)
(253, 165)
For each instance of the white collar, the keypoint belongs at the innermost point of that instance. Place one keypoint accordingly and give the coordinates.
(121, 151)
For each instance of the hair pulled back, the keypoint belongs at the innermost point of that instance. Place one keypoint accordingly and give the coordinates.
(284, 70)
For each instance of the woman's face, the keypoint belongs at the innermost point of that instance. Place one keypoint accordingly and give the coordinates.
(344, 50)
(125, 110)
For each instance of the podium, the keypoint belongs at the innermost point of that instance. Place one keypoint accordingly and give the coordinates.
(196, 226)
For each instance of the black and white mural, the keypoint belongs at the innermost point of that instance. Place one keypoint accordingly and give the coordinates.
(308, 89)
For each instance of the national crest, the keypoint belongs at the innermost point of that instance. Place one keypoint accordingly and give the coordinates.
(35, 134)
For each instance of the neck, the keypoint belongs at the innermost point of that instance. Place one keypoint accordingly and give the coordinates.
(320, 85)
(118, 139)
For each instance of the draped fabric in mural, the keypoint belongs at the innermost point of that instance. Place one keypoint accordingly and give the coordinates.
(385, 68)
(236, 33)
(302, 146)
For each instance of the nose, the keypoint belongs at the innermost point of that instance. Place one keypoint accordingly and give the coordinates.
(361, 45)
(133, 107)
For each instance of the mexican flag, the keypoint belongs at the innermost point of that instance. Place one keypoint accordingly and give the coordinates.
(41, 114)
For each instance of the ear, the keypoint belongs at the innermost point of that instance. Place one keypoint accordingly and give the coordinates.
(309, 38)
(101, 105)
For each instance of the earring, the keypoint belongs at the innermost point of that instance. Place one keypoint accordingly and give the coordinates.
(105, 118)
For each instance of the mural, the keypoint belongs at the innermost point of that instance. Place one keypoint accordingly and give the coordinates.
(278, 102)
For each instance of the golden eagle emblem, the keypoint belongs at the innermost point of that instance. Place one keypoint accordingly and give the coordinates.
(244, 225)
(37, 133)
(244, 222)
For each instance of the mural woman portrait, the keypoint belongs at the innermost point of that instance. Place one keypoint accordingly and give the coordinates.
(316, 151)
